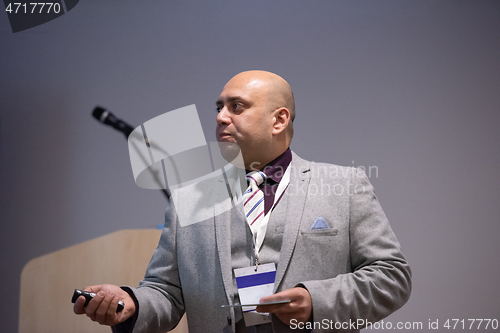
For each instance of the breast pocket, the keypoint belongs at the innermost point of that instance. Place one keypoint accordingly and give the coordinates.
(320, 232)
(324, 250)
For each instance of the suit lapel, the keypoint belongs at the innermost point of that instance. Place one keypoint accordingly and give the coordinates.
(296, 194)
(223, 241)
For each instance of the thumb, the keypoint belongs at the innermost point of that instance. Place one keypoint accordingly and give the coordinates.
(78, 307)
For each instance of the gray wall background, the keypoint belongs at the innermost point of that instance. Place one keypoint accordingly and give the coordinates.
(411, 87)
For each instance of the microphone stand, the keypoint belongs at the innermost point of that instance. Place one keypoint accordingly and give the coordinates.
(127, 132)
(166, 192)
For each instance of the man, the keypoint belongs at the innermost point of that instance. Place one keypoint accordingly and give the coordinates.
(337, 260)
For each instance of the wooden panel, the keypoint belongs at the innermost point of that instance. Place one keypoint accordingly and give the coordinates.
(48, 282)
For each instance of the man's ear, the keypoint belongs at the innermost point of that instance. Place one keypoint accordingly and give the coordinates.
(281, 120)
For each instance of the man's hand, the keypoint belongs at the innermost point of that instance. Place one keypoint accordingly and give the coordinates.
(102, 308)
(300, 307)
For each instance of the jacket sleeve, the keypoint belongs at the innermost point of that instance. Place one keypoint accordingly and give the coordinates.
(380, 279)
(159, 295)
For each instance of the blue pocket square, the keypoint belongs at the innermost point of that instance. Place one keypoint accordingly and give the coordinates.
(319, 224)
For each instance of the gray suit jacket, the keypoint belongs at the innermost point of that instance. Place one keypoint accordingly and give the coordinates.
(353, 268)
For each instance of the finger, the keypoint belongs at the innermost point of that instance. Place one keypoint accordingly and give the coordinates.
(266, 308)
(94, 304)
(276, 308)
(102, 310)
(274, 298)
(91, 289)
(112, 316)
(78, 308)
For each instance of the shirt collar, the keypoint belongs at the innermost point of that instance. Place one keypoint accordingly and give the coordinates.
(276, 168)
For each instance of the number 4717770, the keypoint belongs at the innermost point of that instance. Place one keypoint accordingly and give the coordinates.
(471, 323)
(31, 8)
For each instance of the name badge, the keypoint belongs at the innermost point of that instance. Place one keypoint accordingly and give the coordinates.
(252, 286)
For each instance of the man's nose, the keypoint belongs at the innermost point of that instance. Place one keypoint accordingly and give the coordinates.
(223, 116)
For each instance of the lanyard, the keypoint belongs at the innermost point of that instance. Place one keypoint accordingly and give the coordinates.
(258, 237)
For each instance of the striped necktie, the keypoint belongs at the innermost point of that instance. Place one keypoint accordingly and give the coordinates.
(253, 200)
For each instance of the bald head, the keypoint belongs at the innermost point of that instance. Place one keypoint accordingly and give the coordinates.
(256, 110)
(278, 91)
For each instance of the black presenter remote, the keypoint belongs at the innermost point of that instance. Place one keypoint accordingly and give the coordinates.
(88, 296)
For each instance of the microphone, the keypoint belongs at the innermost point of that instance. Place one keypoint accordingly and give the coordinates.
(106, 117)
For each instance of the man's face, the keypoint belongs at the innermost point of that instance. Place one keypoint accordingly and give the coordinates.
(244, 117)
